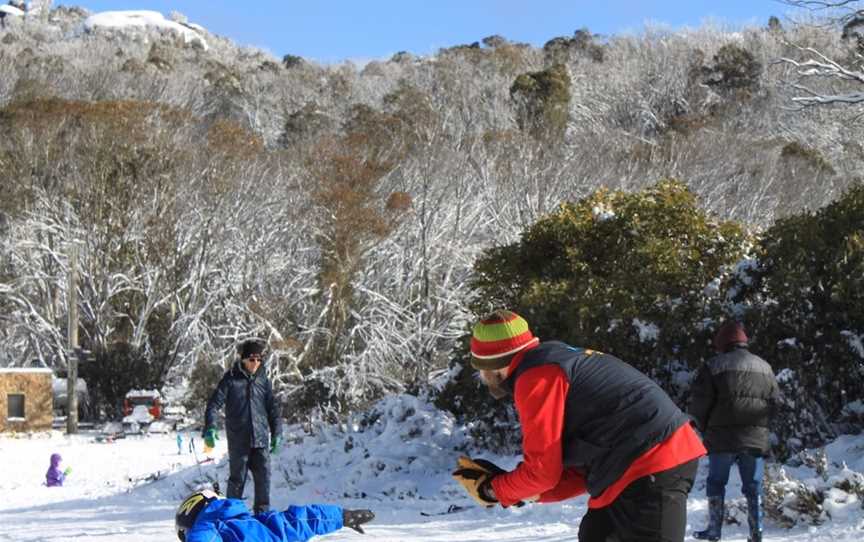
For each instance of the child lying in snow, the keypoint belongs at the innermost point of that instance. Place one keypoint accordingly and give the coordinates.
(55, 477)
(206, 516)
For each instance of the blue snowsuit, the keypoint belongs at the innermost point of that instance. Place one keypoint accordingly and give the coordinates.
(228, 520)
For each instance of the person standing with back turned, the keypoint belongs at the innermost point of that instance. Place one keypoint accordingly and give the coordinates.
(251, 423)
(732, 399)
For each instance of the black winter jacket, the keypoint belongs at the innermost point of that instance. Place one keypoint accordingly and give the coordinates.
(251, 413)
(613, 412)
(732, 399)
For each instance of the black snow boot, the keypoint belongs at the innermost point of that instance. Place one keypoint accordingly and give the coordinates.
(754, 518)
(353, 519)
(715, 521)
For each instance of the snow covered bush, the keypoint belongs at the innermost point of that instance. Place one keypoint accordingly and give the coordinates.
(806, 300)
(399, 434)
(799, 420)
(493, 424)
(789, 502)
(816, 485)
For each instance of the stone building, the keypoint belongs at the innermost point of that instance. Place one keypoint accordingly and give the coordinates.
(26, 400)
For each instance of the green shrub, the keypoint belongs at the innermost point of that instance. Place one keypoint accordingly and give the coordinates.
(562, 50)
(733, 67)
(810, 156)
(203, 379)
(543, 102)
(632, 274)
(807, 298)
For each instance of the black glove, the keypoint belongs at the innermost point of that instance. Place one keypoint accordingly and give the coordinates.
(353, 519)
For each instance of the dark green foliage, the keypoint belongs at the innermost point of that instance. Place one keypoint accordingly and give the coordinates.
(799, 421)
(292, 61)
(542, 102)
(808, 298)
(812, 157)
(583, 44)
(115, 371)
(733, 67)
(402, 57)
(495, 41)
(590, 272)
(494, 423)
(774, 24)
(306, 125)
(203, 380)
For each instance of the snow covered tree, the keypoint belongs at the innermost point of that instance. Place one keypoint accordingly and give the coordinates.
(806, 298)
(824, 79)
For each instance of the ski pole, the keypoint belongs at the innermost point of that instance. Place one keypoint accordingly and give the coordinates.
(201, 471)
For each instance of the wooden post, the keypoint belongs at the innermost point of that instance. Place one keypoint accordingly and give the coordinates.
(72, 334)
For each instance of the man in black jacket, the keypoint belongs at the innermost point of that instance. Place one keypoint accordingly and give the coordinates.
(251, 422)
(732, 400)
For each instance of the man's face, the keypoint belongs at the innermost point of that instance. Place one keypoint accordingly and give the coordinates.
(252, 363)
(494, 381)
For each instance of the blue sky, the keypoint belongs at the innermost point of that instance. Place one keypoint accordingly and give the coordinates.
(333, 30)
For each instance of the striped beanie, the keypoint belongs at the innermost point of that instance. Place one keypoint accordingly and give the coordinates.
(496, 337)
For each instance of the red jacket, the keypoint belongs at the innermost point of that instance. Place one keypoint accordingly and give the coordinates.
(540, 394)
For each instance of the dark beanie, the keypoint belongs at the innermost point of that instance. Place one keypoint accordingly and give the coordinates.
(730, 334)
(250, 347)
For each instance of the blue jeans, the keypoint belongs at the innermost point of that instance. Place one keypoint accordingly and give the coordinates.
(750, 467)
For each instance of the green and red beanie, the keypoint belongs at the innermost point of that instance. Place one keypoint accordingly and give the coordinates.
(496, 337)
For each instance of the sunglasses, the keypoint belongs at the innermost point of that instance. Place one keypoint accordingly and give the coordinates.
(254, 357)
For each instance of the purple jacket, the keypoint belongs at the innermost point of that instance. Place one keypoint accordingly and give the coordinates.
(54, 477)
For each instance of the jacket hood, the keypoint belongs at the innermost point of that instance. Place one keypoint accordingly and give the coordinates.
(238, 369)
(223, 510)
(55, 460)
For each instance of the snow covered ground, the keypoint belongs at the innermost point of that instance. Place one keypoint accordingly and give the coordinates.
(398, 465)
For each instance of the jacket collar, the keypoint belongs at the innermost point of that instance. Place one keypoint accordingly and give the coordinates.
(238, 369)
(517, 359)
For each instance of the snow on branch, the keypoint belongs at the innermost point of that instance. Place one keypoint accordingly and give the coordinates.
(820, 4)
(820, 66)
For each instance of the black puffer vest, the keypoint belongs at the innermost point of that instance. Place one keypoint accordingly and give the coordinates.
(613, 413)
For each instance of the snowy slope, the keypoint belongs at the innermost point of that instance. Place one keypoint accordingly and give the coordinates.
(398, 465)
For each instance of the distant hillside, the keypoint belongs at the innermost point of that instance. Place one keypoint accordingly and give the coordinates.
(704, 105)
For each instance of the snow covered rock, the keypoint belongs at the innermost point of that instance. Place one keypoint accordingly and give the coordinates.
(11, 10)
(123, 21)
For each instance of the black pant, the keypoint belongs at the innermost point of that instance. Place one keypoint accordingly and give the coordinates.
(256, 460)
(652, 508)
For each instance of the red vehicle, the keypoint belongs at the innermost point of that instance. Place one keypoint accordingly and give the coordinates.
(149, 398)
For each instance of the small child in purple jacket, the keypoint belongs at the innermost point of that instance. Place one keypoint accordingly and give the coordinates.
(54, 477)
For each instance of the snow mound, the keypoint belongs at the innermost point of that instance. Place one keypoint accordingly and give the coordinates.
(139, 414)
(145, 20)
(403, 448)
